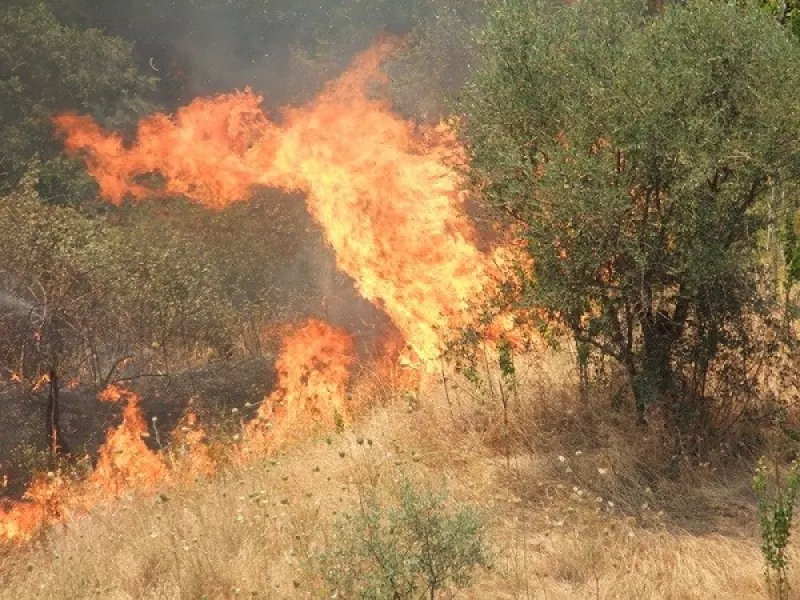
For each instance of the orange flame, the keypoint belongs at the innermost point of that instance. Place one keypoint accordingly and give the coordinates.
(387, 195)
(385, 191)
(44, 503)
(125, 461)
(193, 454)
(40, 382)
(313, 373)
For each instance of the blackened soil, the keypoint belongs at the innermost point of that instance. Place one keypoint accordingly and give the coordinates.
(212, 392)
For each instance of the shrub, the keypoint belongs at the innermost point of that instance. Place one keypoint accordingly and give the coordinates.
(415, 547)
(637, 156)
(776, 500)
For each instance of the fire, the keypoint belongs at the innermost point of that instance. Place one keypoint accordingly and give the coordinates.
(385, 191)
(387, 194)
(125, 461)
(192, 453)
(313, 374)
(44, 503)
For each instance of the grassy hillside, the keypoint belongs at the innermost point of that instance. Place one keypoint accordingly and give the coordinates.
(578, 506)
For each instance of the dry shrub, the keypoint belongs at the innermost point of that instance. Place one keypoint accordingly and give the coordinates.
(597, 447)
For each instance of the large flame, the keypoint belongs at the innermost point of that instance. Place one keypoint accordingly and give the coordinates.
(386, 192)
(313, 374)
(387, 195)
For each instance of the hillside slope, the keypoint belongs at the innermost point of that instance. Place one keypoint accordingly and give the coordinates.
(572, 510)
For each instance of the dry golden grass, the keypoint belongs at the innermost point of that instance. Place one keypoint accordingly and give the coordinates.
(576, 509)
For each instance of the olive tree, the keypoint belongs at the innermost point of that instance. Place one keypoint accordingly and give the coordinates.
(634, 153)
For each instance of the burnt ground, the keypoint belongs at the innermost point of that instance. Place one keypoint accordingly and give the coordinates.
(213, 391)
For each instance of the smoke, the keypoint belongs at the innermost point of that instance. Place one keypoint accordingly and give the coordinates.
(14, 304)
(287, 49)
(284, 48)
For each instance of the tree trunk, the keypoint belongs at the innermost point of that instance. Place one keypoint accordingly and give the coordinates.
(55, 438)
(653, 381)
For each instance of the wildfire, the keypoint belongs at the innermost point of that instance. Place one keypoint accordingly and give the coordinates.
(313, 373)
(190, 449)
(44, 503)
(36, 383)
(385, 191)
(124, 463)
(387, 194)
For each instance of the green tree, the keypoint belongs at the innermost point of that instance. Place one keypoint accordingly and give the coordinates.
(634, 152)
(45, 68)
(786, 13)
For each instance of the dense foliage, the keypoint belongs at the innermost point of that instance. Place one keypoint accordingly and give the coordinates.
(90, 300)
(46, 67)
(640, 157)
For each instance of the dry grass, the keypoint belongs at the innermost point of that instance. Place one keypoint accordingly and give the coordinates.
(577, 509)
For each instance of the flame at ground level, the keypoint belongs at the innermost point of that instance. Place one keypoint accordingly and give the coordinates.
(313, 374)
(124, 463)
(314, 371)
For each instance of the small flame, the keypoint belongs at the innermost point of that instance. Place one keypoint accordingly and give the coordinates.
(313, 374)
(125, 461)
(44, 503)
(193, 453)
(40, 382)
